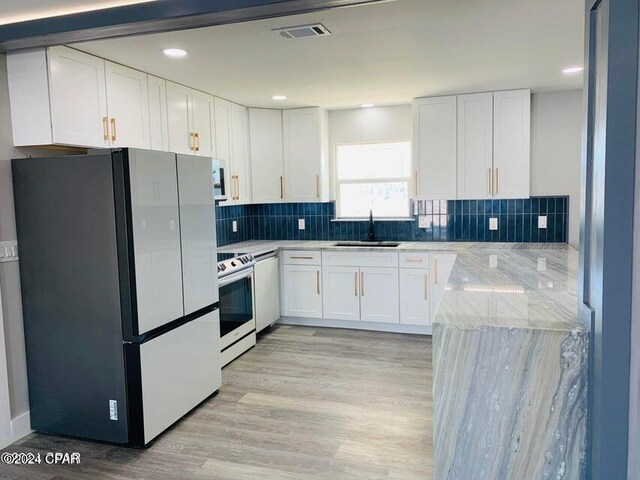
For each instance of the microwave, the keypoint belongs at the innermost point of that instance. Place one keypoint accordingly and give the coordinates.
(218, 182)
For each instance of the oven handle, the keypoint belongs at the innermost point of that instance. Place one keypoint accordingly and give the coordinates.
(234, 277)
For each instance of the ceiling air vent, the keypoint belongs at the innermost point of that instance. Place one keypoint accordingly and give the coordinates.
(317, 30)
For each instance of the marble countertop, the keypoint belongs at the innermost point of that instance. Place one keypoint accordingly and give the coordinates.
(511, 285)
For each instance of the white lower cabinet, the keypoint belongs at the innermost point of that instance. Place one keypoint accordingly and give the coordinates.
(415, 306)
(441, 266)
(379, 299)
(267, 285)
(341, 299)
(302, 296)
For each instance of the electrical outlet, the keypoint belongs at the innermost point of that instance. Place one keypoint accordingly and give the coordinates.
(493, 224)
(423, 221)
(301, 224)
(542, 221)
(234, 226)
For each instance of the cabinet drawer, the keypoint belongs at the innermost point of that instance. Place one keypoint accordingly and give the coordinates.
(414, 260)
(302, 257)
(360, 259)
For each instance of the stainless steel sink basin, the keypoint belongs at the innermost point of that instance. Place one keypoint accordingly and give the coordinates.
(367, 244)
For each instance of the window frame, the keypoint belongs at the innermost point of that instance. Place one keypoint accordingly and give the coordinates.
(337, 182)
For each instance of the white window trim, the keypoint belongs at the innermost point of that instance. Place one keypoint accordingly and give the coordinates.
(335, 184)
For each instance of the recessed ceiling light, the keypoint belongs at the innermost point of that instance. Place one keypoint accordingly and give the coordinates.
(572, 70)
(368, 105)
(175, 52)
(279, 97)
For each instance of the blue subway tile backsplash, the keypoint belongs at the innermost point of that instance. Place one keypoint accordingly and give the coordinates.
(448, 221)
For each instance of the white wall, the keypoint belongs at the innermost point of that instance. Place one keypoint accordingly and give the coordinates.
(556, 142)
(556, 136)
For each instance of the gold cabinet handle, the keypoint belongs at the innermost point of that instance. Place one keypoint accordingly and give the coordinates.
(435, 271)
(495, 180)
(237, 187)
(355, 286)
(113, 129)
(362, 283)
(191, 141)
(426, 286)
(488, 181)
(318, 186)
(318, 282)
(301, 258)
(414, 260)
(197, 137)
(281, 188)
(105, 128)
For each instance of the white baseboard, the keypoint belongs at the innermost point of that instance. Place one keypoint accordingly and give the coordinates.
(373, 326)
(20, 426)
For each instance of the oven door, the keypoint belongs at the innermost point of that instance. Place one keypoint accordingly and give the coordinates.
(236, 307)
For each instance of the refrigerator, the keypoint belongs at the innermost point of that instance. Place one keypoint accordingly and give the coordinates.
(119, 291)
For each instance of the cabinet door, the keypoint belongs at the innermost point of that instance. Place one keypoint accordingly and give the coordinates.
(434, 147)
(302, 154)
(379, 295)
(341, 297)
(127, 106)
(197, 232)
(302, 291)
(511, 143)
(475, 145)
(265, 143)
(156, 238)
(267, 298)
(441, 266)
(223, 146)
(203, 125)
(78, 98)
(179, 119)
(158, 128)
(240, 153)
(414, 296)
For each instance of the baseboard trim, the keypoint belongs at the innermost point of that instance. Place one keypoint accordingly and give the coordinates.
(373, 326)
(20, 426)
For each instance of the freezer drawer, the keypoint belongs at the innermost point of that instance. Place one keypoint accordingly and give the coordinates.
(179, 369)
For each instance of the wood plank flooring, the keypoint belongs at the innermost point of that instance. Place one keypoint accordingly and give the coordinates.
(304, 404)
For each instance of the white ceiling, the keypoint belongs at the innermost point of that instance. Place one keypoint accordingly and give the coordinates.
(20, 11)
(385, 53)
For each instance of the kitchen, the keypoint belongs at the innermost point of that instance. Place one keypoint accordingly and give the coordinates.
(396, 234)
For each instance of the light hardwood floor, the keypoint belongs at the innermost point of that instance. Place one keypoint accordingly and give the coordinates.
(305, 403)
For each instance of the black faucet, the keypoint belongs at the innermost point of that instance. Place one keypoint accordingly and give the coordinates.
(371, 235)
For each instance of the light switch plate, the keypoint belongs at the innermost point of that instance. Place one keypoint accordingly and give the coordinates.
(9, 251)
(301, 224)
(493, 224)
(542, 221)
(234, 226)
(423, 221)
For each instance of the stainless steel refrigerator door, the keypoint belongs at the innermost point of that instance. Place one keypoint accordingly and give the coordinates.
(179, 369)
(156, 234)
(198, 230)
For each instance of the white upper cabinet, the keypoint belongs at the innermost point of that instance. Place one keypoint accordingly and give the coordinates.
(475, 145)
(158, 127)
(203, 126)
(511, 143)
(223, 132)
(127, 106)
(434, 147)
(265, 141)
(240, 168)
(179, 119)
(305, 154)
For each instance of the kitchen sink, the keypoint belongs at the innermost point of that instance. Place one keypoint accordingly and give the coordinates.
(367, 244)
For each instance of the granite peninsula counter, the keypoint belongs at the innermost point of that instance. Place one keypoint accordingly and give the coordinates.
(510, 360)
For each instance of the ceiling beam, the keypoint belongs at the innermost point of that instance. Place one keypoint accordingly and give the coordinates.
(153, 17)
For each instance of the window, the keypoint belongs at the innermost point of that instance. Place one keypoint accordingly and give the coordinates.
(373, 176)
